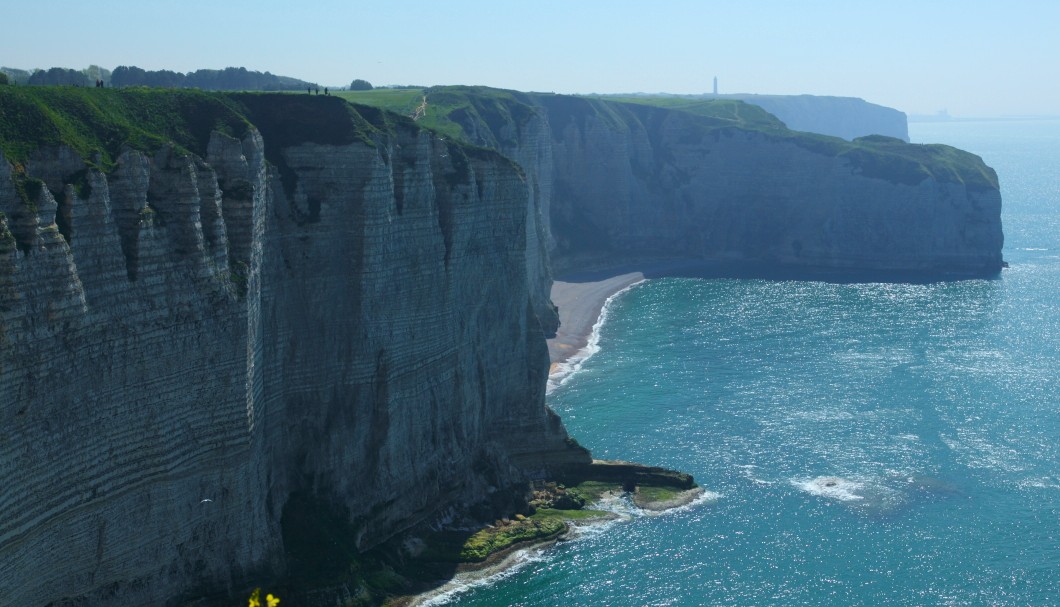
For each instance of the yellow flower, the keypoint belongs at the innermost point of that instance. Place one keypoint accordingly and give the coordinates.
(255, 598)
(273, 601)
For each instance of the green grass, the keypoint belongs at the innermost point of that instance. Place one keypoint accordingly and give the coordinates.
(400, 101)
(100, 122)
(657, 494)
(874, 156)
(473, 114)
(724, 112)
(592, 491)
(468, 547)
(477, 546)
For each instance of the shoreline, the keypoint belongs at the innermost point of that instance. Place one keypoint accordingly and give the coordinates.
(497, 565)
(581, 298)
(509, 560)
(470, 575)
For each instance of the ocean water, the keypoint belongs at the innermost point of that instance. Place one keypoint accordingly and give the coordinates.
(869, 444)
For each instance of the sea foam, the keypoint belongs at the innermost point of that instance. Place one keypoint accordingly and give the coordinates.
(566, 369)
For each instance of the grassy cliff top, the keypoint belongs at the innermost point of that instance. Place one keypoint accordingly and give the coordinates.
(724, 112)
(470, 113)
(873, 156)
(491, 117)
(103, 121)
(99, 123)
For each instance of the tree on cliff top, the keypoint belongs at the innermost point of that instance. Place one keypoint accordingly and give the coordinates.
(228, 79)
(360, 85)
(59, 76)
(3, 78)
(16, 76)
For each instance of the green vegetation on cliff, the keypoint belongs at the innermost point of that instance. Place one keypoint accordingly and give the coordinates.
(724, 112)
(492, 117)
(104, 121)
(873, 156)
(475, 114)
(99, 123)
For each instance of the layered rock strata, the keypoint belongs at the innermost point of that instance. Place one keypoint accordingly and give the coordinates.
(657, 187)
(632, 181)
(188, 340)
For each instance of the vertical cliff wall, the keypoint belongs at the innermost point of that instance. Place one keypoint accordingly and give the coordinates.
(648, 181)
(198, 332)
(510, 124)
(846, 117)
(131, 465)
(712, 182)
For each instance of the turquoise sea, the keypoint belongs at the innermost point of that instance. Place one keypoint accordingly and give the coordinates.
(869, 444)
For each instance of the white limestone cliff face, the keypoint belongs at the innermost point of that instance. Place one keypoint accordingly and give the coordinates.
(528, 143)
(124, 405)
(203, 341)
(846, 117)
(628, 182)
(653, 184)
(402, 350)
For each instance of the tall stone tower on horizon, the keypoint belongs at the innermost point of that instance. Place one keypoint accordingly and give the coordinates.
(715, 85)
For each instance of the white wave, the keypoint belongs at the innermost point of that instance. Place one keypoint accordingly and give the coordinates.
(584, 529)
(707, 497)
(465, 583)
(833, 487)
(564, 370)
(748, 473)
(624, 505)
(1044, 482)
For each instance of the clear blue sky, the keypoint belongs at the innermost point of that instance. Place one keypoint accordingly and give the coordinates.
(972, 57)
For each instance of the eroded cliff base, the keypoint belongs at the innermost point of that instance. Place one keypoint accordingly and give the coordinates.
(468, 540)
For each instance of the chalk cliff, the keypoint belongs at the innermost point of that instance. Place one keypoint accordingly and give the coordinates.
(766, 198)
(631, 180)
(195, 335)
(846, 117)
(212, 303)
